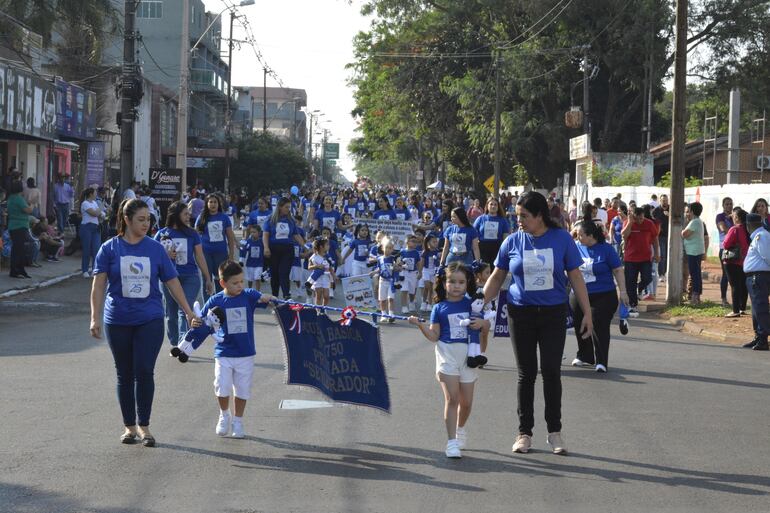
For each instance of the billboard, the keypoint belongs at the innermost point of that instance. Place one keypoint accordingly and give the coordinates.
(27, 103)
(166, 185)
(75, 111)
(95, 164)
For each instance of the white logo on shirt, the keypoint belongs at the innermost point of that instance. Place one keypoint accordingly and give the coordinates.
(458, 243)
(135, 276)
(538, 269)
(587, 269)
(328, 222)
(216, 231)
(363, 251)
(490, 229)
(255, 252)
(282, 230)
(236, 320)
(181, 251)
(455, 330)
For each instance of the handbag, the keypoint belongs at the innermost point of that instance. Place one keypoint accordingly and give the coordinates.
(732, 253)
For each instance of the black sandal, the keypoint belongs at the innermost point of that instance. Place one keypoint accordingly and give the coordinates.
(128, 438)
(148, 441)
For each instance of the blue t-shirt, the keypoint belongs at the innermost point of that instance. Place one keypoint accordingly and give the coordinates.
(491, 228)
(327, 219)
(360, 249)
(385, 266)
(134, 273)
(410, 258)
(384, 214)
(258, 217)
(460, 239)
(255, 255)
(185, 248)
(214, 236)
(429, 258)
(402, 214)
(283, 232)
(239, 322)
(448, 314)
(392, 199)
(728, 220)
(598, 262)
(538, 266)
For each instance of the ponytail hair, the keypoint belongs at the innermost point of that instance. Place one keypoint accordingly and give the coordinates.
(128, 208)
(536, 204)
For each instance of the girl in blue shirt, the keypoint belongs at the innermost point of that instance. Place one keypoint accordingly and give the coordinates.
(600, 265)
(326, 217)
(401, 211)
(429, 259)
(453, 304)
(186, 252)
(217, 236)
(493, 228)
(540, 257)
(461, 240)
(130, 268)
(384, 211)
(359, 248)
(278, 236)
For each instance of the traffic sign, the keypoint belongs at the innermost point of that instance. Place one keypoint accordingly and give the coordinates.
(489, 183)
(331, 151)
(331, 163)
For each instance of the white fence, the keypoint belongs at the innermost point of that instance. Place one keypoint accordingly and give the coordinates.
(743, 195)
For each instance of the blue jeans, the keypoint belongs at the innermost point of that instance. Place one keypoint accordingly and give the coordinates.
(213, 260)
(135, 350)
(465, 258)
(758, 285)
(62, 213)
(634, 270)
(693, 266)
(175, 318)
(90, 240)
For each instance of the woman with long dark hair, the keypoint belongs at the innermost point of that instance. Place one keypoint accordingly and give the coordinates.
(130, 267)
(493, 228)
(733, 251)
(540, 257)
(217, 236)
(602, 270)
(461, 240)
(186, 251)
(760, 207)
(385, 211)
(278, 236)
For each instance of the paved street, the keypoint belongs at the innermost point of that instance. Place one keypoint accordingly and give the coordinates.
(677, 425)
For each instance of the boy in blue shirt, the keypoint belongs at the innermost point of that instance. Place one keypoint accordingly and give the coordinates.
(410, 258)
(254, 258)
(234, 356)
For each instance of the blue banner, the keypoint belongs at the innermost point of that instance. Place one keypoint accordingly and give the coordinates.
(501, 319)
(342, 362)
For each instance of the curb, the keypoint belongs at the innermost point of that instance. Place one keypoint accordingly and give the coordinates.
(693, 328)
(40, 285)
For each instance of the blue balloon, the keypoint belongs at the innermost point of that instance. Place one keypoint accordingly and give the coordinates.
(294, 190)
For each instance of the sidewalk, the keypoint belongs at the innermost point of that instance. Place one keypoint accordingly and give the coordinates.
(48, 274)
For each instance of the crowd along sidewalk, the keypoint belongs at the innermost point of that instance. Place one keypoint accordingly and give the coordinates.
(49, 273)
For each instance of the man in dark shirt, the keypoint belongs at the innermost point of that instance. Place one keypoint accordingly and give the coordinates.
(660, 215)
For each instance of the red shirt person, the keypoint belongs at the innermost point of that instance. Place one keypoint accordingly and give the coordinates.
(640, 236)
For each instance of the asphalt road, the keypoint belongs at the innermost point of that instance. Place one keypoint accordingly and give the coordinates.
(676, 425)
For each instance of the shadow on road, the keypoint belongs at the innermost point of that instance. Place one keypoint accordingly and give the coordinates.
(621, 375)
(18, 498)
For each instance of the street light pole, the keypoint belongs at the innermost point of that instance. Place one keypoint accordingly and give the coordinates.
(498, 109)
(228, 110)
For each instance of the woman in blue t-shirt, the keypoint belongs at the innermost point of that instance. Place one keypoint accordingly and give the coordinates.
(401, 211)
(185, 250)
(540, 257)
(461, 240)
(130, 267)
(385, 211)
(326, 217)
(278, 236)
(600, 265)
(493, 228)
(217, 236)
(260, 214)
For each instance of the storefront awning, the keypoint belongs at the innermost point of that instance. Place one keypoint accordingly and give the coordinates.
(66, 145)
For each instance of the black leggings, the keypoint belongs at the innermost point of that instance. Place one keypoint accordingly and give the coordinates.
(738, 290)
(281, 258)
(596, 349)
(725, 280)
(19, 237)
(544, 327)
(488, 251)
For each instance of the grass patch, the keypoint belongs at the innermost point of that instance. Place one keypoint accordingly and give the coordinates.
(705, 309)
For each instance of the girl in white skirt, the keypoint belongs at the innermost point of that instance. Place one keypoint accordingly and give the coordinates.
(319, 262)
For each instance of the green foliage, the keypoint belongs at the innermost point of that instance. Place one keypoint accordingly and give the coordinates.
(689, 181)
(266, 162)
(627, 178)
(705, 309)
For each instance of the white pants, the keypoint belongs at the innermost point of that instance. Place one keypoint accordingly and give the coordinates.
(359, 268)
(233, 376)
(410, 282)
(385, 291)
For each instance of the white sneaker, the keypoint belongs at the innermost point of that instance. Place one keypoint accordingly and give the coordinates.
(238, 429)
(461, 437)
(412, 307)
(424, 307)
(223, 426)
(557, 443)
(522, 444)
(86, 274)
(404, 310)
(453, 449)
(633, 312)
(331, 293)
(577, 362)
(600, 368)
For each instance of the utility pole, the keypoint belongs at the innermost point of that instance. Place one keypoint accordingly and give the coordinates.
(586, 78)
(676, 211)
(310, 140)
(182, 108)
(228, 110)
(498, 109)
(130, 93)
(323, 162)
(264, 100)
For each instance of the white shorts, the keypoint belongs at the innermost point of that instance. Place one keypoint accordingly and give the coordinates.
(323, 282)
(296, 273)
(451, 361)
(359, 268)
(385, 290)
(233, 376)
(428, 276)
(410, 282)
(253, 273)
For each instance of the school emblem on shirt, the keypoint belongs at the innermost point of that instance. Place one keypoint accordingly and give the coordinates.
(236, 320)
(538, 269)
(135, 276)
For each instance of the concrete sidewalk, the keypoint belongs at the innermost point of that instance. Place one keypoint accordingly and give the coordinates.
(48, 273)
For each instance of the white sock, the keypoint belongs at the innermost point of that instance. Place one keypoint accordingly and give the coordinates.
(391, 312)
(237, 419)
(224, 413)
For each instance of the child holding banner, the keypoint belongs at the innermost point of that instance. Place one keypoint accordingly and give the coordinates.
(453, 292)
(234, 356)
(386, 269)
